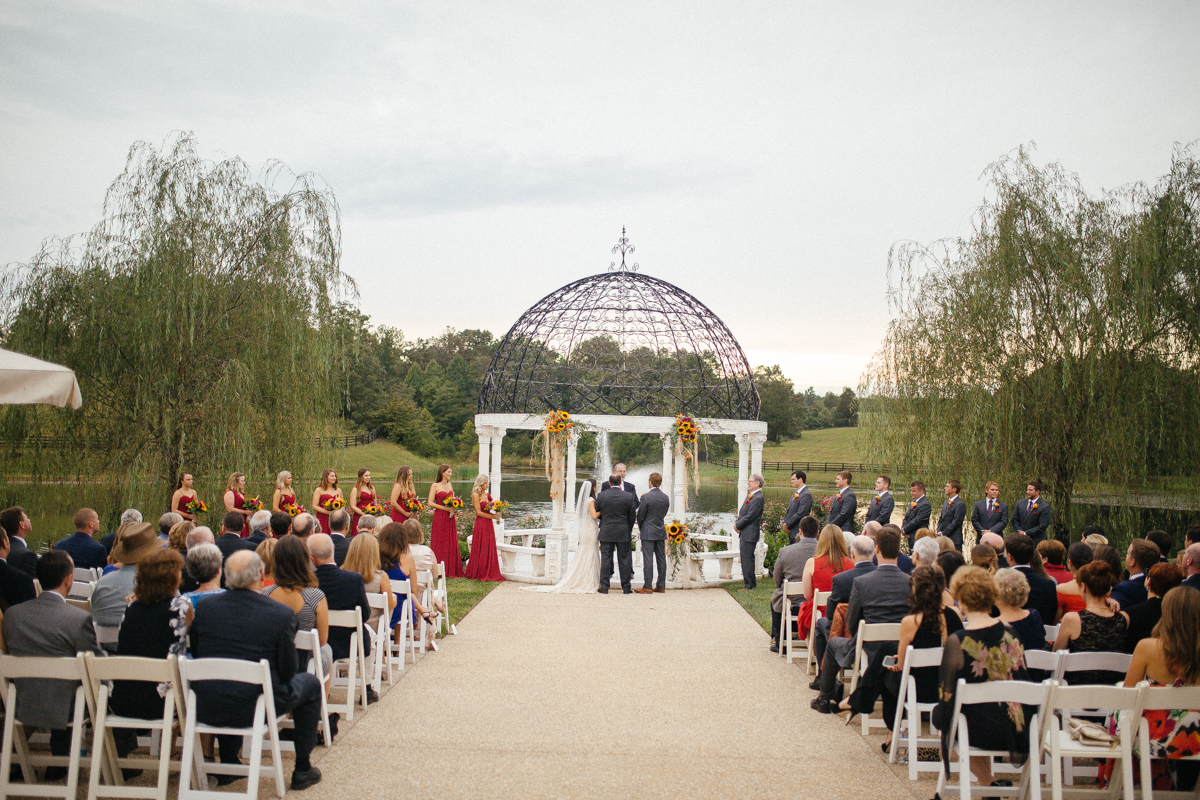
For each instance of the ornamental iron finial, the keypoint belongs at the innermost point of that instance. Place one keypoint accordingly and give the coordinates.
(623, 246)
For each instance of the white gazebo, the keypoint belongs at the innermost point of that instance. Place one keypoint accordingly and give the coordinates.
(25, 380)
(621, 352)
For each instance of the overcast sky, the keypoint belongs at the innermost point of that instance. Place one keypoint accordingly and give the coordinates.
(764, 156)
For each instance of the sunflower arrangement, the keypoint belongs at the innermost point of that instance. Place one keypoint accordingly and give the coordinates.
(252, 504)
(676, 532)
(295, 509)
(558, 422)
(498, 507)
(197, 506)
(686, 428)
(414, 505)
(454, 503)
(374, 509)
(333, 504)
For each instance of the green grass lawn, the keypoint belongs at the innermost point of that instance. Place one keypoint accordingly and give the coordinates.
(383, 458)
(757, 601)
(466, 594)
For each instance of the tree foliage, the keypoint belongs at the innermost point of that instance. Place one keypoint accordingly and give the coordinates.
(195, 317)
(1058, 341)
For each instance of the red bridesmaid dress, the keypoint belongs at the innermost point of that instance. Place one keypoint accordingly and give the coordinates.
(286, 500)
(396, 514)
(443, 539)
(183, 503)
(322, 515)
(239, 501)
(364, 499)
(484, 564)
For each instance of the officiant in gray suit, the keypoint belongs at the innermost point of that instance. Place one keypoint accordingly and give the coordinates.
(651, 519)
(748, 527)
(617, 515)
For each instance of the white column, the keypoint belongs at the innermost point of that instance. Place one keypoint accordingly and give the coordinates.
(666, 468)
(556, 539)
(757, 440)
(484, 432)
(569, 488)
(743, 443)
(494, 475)
(679, 504)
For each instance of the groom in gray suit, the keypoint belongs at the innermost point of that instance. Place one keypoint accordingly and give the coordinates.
(651, 518)
(617, 516)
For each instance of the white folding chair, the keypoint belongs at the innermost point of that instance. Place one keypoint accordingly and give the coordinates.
(1078, 662)
(870, 632)
(396, 649)
(379, 639)
(819, 601)
(151, 670)
(310, 642)
(1161, 698)
(1052, 634)
(13, 668)
(909, 712)
(81, 591)
(442, 594)
(85, 605)
(355, 665)
(106, 634)
(789, 643)
(87, 574)
(967, 694)
(262, 726)
(1058, 744)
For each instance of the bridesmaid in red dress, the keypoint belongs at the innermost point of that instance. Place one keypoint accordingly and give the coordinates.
(361, 496)
(235, 500)
(403, 491)
(184, 494)
(484, 563)
(285, 493)
(327, 491)
(443, 536)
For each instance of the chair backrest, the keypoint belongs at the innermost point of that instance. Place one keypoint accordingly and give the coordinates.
(81, 590)
(1116, 698)
(130, 668)
(346, 619)
(377, 600)
(923, 657)
(878, 631)
(401, 587)
(85, 574)
(820, 599)
(225, 669)
(1158, 698)
(1101, 661)
(37, 587)
(85, 605)
(1045, 660)
(791, 588)
(107, 634)
(1024, 692)
(308, 640)
(62, 668)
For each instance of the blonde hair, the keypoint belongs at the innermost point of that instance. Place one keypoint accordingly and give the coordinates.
(280, 478)
(945, 543)
(973, 588)
(363, 557)
(177, 536)
(481, 480)
(266, 552)
(406, 483)
(232, 482)
(984, 556)
(1176, 629)
(923, 533)
(832, 544)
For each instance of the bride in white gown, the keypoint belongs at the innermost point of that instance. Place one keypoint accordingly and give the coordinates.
(583, 575)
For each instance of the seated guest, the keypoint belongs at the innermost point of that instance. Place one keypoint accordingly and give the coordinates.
(950, 562)
(398, 563)
(367, 523)
(50, 626)
(344, 591)
(1191, 563)
(996, 542)
(1054, 556)
(165, 523)
(266, 552)
(204, 565)
(339, 527)
(1012, 592)
(177, 536)
(945, 544)
(16, 523)
(862, 557)
(879, 596)
(789, 566)
(986, 649)
(260, 527)
(927, 624)
(15, 586)
(1070, 598)
(196, 536)
(281, 524)
(135, 543)
(1097, 628)
(129, 516)
(902, 561)
(1043, 592)
(1093, 536)
(363, 559)
(924, 533)
(423, 558)
(925, 552)
(829, 558)
(296, 587)
(304, 526)
(230, 540)
(241, 623)
(984, 557)
(155, 626)
(1109, 556)
(84, 550)
(1172, 658)
(1162, 540)
(1141, 556)
(1161, 578)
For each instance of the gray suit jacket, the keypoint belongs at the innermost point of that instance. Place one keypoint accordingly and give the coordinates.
(749, 518)
(995, 521)
(881, 509)
(47, 626)
(879, 596)
(799, 507)
(789, 564)
(1033, 522)
(617, 516)
(841, 512)
(652, 515)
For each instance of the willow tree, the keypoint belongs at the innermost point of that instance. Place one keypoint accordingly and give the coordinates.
(193, 316)
(1059, 341)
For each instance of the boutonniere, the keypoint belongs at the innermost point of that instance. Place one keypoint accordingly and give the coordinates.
(913, 504)
(876, 498)
(796, 494)
(839, 497)
(951, 500)
(1033, 507)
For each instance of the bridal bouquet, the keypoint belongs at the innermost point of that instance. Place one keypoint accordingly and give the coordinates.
(373, 508)
(196, 507)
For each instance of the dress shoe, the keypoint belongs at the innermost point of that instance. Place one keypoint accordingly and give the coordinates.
(334, 719)
(372, 696)
(303, 780)
(225, 780)
(602, 591)
(627, 591)
(645, 591)
(820, 706)
(659, 591)
(815, 685)
(774, 646)
(56, 773)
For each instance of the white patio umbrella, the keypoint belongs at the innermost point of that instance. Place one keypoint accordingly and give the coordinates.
(25, 380)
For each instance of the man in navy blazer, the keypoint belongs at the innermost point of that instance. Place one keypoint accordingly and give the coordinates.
(747, 527)
(954, 513)
(619, 471)
(17, 525)
(882, 504)
(844, 503)
(917, 514)
(1031, 516)
(1191, 566)
(989, 514)
(799, 507)
(83, 549)
(15, 586)
(1141, 556)
(344, 591)
(1043, 592)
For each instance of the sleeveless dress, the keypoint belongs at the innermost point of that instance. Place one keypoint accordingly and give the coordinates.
(822, 581)
(396, 514)
(484, 564)
(1068, 603)
(286, 500)
(364, 499)
(583, 573)
(239, 501)
(322, 514)
(183, 502)
(1174, 734)
(443, 538)
(1097, 634)
(396, 574)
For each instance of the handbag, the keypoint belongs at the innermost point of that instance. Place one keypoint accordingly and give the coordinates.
(1092, 734)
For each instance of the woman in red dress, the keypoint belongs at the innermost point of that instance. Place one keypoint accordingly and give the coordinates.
(361, 496)
(285, 493)
(830, 559)
(484, 563)
(327, 492)
(184, 494)
(235, 500)
(443, 535)
(403, 491)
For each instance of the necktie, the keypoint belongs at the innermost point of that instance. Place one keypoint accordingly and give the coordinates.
(989, 506)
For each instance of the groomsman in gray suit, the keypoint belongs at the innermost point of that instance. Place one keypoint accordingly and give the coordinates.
(883, 503)
(989, 513)
(651, 519)
(917, 515)
(1032, 515)
(799, 507)
(841, 510)
(747, 527)
(617, 515)
(954, 512)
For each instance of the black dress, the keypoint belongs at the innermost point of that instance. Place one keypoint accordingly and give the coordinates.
(928, 635)
(1097, 634)
(1031, 631)
(151, 630)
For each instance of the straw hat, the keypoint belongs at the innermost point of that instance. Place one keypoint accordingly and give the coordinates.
(135, 542)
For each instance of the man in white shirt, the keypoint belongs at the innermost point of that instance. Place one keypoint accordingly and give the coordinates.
(882, 505)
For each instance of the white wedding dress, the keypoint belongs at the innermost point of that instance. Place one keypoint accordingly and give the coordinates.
(583, 574)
